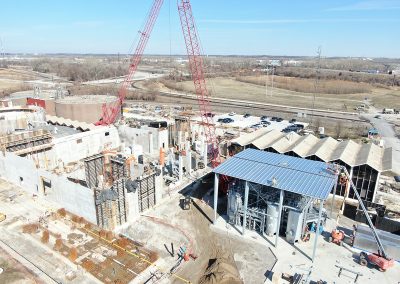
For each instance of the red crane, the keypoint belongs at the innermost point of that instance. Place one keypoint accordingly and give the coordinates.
(111, 113)
(196, 64)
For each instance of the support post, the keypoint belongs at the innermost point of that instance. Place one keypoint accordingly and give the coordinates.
(246, 201)
(321, 205)
(334, 194)
(376, 186)
(278, 224)
(216, 181)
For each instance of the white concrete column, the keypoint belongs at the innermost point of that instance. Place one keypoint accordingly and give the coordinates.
(321, 206)
(246, 201)
(193, 136)
(376, 186)
(188, 157)
(180, 168)
(150, 142)
(179, 139)
(216, 183)
(205, 153)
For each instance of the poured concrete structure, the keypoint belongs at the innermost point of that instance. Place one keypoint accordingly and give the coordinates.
(82, 108)
(44, 98)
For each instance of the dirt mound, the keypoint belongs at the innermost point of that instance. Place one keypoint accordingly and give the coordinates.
(222, 271)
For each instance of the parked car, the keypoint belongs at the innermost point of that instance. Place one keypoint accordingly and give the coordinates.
(279, 119)
(301, 126)
(256, 126)
(291, 128)
(246, 115)
(274, 118)
(227, 120)
(220, 119)
(264, 117)
(293, 120)
(264, 122)
(232, 113)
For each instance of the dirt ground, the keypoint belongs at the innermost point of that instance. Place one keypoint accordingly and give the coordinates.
(208, 244)
(14, 272)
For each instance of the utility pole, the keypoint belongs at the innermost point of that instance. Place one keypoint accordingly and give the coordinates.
(316, 82)
(272, 83)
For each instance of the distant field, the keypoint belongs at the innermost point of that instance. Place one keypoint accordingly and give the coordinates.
(309, 85)
(232, 88)
(16, 75)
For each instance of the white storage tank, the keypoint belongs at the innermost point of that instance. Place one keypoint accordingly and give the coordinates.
(272, 218)
(294, 224)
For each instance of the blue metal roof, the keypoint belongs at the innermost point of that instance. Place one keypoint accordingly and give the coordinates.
(297, 175)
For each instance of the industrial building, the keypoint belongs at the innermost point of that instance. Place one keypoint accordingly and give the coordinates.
(280, 195)
(106, 174)
(58, 103)
(365, 162)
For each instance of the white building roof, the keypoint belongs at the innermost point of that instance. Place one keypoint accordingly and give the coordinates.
(327, 149)
(70, 123)
(247, 139)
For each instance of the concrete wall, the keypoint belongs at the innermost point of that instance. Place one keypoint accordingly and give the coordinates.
(73, 148)
(18, 119)
(69, 195)
(141, 136)
(84, 112)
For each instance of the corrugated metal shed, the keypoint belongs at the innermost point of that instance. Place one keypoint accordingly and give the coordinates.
(267, 139)
(305, 177)
(284, 144)
(347, 152)
(327, 149)
(245, 140)
(324, 148)
(304, 144)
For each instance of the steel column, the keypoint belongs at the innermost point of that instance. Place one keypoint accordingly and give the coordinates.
(321, 205)
(334, 194)
(216, 182)
(246, 201)
(279, 217)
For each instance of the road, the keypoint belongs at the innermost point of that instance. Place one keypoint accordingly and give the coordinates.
(389, 137)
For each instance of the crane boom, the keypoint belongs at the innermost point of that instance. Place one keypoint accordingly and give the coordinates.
(110, 113)
(381, 249)
(196, 64)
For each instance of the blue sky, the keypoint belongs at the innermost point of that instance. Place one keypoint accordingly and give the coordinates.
(367, 28)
